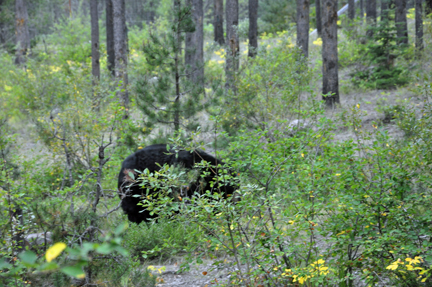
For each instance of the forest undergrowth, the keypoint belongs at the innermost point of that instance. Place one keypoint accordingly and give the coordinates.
(328, 197)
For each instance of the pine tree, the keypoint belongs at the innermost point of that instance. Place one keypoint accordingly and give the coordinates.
(166, 96)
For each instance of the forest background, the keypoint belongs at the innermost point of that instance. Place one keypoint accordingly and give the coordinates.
(328, 133)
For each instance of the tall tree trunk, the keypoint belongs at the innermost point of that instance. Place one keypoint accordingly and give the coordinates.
(2, 36)
(362, 9)
(177, 7)
(303, 26)
(318, 11)
(120, 49)
(418, 25)
(21, 32)
(253, 27)
(151, 12)
(110, 36)
(95, 40)
(371, 15)
(218, 22)
(401, 22)
(232, 61)
(428, 7)
(194, 46)
(385, 6)
(330, 53)
(351, 10)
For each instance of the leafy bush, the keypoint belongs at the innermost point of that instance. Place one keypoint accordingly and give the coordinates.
(264, 86)
(158, 241)
(315, 211)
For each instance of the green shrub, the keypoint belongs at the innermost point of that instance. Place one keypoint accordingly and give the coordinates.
(162, 240)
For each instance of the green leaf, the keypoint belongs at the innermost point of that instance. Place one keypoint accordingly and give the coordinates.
(4, 264)
(28, 257)
(74, 271)
(121, 250)
(104, 249)
(121, 228)
(48, 266)
(87, 247)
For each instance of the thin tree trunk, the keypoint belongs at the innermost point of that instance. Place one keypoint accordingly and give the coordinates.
(232, 61)
(303, 26)
(218, 22)
(330, 53)
(95, 40)
(151, 12)
(2, 36)
(371, 16)
(110, 36)
(428, 7)
(362, 9)
(318, 11)
(385, 9)
(177, 6)
(21, 32)
(401, 22)
(419, 25)
(120, 49)
(253, 28)
(351, 10)
(194, 46)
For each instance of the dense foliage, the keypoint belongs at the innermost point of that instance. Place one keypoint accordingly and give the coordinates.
(313, 208)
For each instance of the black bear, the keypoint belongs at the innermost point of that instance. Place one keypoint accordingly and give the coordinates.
(151, 158)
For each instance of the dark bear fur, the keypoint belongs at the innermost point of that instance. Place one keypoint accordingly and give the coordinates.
(149, 157)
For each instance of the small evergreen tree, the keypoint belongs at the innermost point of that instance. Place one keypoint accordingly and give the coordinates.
(382, 53)
(165, 95)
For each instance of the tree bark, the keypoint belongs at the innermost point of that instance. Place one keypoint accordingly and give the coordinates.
(177, 7)
(318, 11)
(418, 25)
(253, 28)
(303, 26)
(151, 13)
(2, 36)
(232, 61)
(218, 22)
(120, 49)
(371, 16)
(362, 9)
(330, 53)
(95, 40)
(194, 46)
(21, 31)
(110, 36)
(428, 7)
(351, 10)
(401, 22)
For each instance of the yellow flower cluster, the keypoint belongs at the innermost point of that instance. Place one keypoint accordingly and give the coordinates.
(318, 42)
(221, 53)
(409, 265)
(313, 270)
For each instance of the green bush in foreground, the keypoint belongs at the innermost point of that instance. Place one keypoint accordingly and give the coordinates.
(321, 213)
